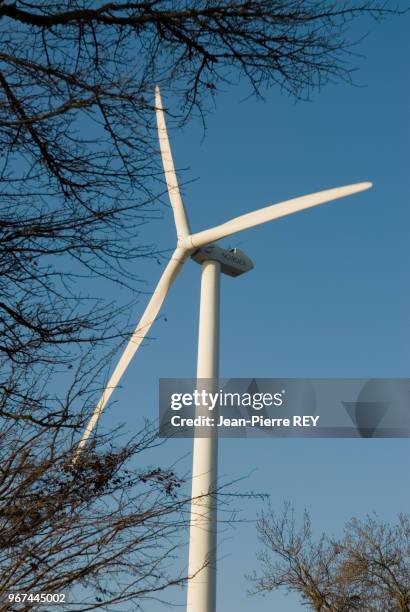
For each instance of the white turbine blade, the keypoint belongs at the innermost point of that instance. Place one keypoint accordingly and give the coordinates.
(269, 213)
(150, 314)
(181, 221)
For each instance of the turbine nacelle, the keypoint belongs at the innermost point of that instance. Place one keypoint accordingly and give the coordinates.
(233, 261)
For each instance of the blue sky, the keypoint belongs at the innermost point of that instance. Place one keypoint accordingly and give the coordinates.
(329, 295)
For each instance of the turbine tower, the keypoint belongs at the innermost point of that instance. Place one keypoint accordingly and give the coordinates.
(201, 596)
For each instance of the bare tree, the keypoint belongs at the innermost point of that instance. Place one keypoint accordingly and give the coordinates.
(294, 560)
(101, 532)
(367, 569)
(376, 561)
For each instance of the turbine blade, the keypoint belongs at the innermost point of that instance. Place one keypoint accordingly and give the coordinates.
(181, 221)
(269, 213)
(142, 329)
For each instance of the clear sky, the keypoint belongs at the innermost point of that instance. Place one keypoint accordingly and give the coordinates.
(329, 295)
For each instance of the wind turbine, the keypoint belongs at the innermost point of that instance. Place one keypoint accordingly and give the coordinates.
(200, 246)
